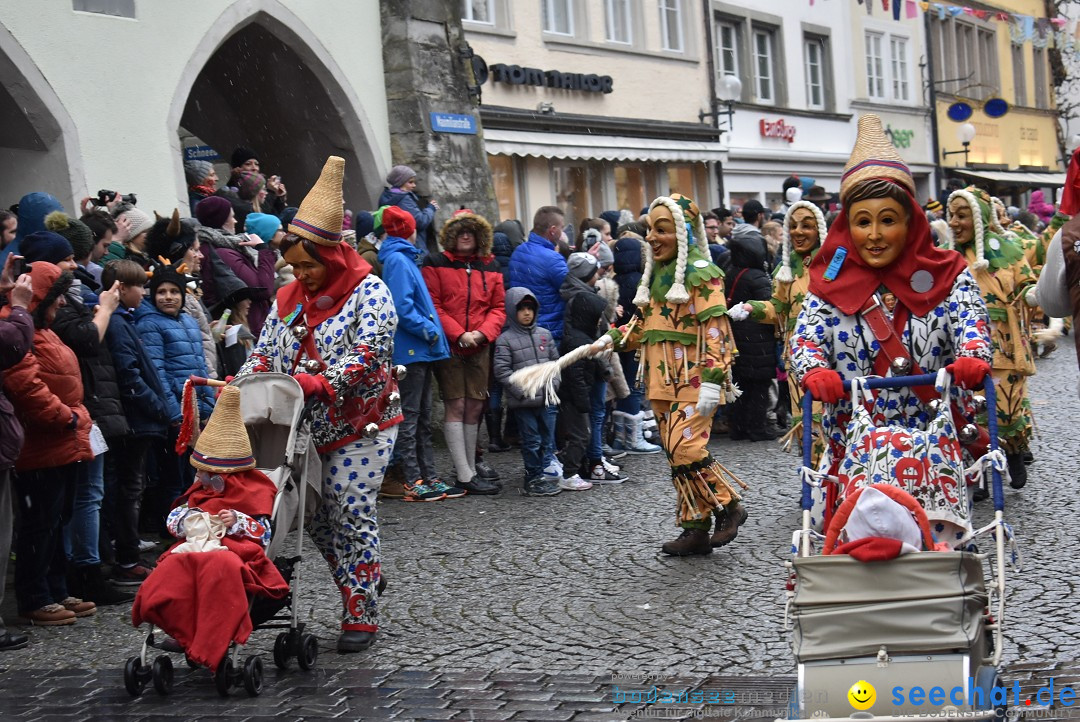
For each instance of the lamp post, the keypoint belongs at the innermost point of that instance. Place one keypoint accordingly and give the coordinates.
(965, 134)
(730, 91)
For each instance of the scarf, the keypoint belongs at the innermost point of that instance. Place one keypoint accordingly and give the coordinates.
(921, 278)
(345, 269)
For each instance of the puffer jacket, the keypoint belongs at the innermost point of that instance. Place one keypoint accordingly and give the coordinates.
(519, 347)
(514, 232)
(16, 335)
(419, 336)
(627, 267)
(748, 234)
(74, 325)
(469, 296)
(500, 248)
(254, 267)
(747, 281)
(145, 400)
(174, 344)
(537, 266)
(46, 390)
(410, 202)
(584, 309)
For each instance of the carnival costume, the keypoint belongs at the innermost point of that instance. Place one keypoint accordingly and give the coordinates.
(340, 342)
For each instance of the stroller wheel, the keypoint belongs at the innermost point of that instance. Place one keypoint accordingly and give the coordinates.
(134, 676)
(281, 651)
(309, 651)
(162, 674)
(223, 678)
(253, 675)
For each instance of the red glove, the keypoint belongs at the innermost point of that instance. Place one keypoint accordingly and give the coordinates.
(227, 379)
(968, 372)
(824, 385)
(313, 386)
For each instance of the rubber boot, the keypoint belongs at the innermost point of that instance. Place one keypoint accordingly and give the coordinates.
(728, 523)
(1017, 470)
(635, 438)
(355, 641)
(493, 419)
(692, 542)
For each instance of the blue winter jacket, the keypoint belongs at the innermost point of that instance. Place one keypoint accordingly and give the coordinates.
(33, 207)
(175, 346)
(627, 267)
(146, 403)
(537, 266)
(419, 335)
(411, 202)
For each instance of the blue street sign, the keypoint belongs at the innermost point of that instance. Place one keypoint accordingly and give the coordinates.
(201, 152)
(453, 123)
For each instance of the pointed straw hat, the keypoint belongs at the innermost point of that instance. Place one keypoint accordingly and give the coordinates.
(223, 446)
(320, 214)
(874, 157)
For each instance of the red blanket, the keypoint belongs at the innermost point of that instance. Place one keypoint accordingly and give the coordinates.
(201, 599)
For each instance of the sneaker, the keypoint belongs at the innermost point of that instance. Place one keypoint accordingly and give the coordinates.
(553, 469)
(450, 492)
(51, 615)
(611, 453)
(601, 475)
(574, 483)
(613, 468)
(540, 486)
(419, 491)
(131, 576)
(79, 607)
(145, 545)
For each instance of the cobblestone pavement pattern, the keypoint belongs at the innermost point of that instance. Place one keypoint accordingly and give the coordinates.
(508, 605)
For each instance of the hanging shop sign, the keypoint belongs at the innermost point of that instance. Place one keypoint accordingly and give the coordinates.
(777, 129)
(517, 75)
(201, 152)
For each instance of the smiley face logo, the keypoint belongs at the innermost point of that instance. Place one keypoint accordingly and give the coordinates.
(862, 695)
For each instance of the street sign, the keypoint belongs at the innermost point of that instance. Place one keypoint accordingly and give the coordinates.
(453, 123)
(201, 152)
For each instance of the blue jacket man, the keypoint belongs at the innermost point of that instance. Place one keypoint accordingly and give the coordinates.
(537, 266)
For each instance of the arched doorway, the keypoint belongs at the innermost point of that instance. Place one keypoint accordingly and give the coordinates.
(271, 86)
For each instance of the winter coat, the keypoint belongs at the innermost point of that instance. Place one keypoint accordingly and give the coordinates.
(500, 248)
(409, 201)
(254, 267)
(370, 253)
(33, 207)
(1039, 206)
(469, 296)
(584, 310)
(627, 252)
(747, 281)
(119, 252)
(519, 347)
(514, 232)
(144, 398)
(195, 308)
(74, 325)
(175, 346)
(16, 335)
(537, 266)
(747, 233)
(419, 336)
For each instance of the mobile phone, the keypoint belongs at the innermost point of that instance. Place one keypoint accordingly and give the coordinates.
(18, 267)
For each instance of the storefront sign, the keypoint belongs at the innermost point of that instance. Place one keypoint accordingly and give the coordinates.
(201, 152)
(453, 123)
(899, 138)
(777, 129)
(517, 75)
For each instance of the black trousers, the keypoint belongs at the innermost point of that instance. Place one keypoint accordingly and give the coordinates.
(748, 413)
(45, 500)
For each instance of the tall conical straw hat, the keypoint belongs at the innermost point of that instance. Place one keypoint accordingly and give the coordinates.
(874, 157)
(320, 214)
(223, 446)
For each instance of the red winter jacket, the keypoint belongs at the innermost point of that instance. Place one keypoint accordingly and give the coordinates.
(469, 296)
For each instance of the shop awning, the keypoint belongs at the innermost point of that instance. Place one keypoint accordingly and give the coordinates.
(598, 147)
(1013, 177)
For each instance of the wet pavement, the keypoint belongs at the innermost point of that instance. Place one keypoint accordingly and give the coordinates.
(513, 607)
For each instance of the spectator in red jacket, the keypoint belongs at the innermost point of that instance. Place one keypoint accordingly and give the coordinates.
(47, 392)
(467, 286)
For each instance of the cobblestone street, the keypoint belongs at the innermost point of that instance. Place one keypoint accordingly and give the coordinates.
(514, 607)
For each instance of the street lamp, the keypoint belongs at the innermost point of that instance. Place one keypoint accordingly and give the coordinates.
(965, 134)
(730, 90)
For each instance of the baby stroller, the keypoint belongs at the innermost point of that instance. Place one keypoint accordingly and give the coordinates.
(276, 418)
(867, 634)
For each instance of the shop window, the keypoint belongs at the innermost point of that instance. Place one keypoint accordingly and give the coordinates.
(1038, 62)
(1019, 76)
(688, 179)
(764, 66)
(619, 26)
(671, 25)
(572, 191)
(558, 16)
(634, 187)
(504, 179)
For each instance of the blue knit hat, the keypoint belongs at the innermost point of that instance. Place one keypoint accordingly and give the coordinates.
(262, 225)
(45, 246)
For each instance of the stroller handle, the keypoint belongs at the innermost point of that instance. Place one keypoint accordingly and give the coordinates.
(903, 382)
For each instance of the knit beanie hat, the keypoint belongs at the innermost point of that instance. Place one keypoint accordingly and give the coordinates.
(223, 446)
(249, 184)
(933, 206)
(582, 265)
(321, 211)
(874, 156)
(195, 171)
(783, 274)
(45, 246)
(242, 155)
(793, 195)
(138, 220)
(398, 222)
(398, 175)
(165, 273)
(213, 211)
(78, 233)
(262, 225)
(364, 223)
(689, 228)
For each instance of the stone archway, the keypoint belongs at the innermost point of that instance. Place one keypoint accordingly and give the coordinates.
(267, 83)
(39, 145)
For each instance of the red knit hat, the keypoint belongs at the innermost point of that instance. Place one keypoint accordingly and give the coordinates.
(398, 222)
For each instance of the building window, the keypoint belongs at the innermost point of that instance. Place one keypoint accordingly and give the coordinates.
(898, 51)
(1019, 76)
(966, 55)
(875, 67)
(687, 179)
(618, 21)
(478, 11)
(558, 16)
(1038, 62)
(635, 186)
(727, 49)
(815, 72)
(764, 66)
(671, 31)
(572, 190)
(504, 180)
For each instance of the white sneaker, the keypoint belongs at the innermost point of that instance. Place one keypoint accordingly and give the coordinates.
(613, 468)
(145, 546)
(554, 469)
(574, 483)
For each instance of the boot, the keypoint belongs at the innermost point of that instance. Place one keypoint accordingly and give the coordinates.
(692, 542)
(94, 585)
(619, 422)
(727, 524)
(1017, 470)
(353, 641)
(635, 438)
(649, 430)
(493, 419)
(393, 486)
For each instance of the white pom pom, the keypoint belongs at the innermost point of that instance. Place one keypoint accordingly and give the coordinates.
(784, 275)
(641, 298)
(1030, 297)
(738, 312)
(677, 294)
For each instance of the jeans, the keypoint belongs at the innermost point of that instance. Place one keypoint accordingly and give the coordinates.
(535, 440)
(413, 447)
(45, 498)
(124, 494)
(81, 533)
(597, 411)
(632, 404)
(551, 413)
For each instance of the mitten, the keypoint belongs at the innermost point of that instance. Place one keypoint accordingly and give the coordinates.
(708, 398)
(968, 372)
(824, 385)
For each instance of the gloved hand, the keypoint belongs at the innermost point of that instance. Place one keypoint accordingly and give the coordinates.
(968, 372)
(708, 398)
(313, 385)
(824, 385)
(601, 344)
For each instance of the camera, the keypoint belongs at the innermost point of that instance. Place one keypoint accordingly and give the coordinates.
(104, 197)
